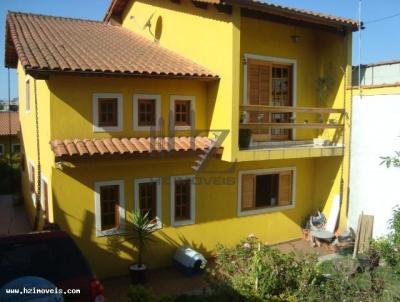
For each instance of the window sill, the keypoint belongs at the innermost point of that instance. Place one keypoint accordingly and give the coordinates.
(110, 232)
(265, 210)
(183, 223)
(107, 129)
(183, 128)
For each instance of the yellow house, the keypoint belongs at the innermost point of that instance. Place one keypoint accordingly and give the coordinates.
(219, 118)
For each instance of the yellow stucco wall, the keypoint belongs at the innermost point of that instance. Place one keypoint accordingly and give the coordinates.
(29, 135)
(217, 218)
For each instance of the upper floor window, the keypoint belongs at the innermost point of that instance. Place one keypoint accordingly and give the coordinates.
(269, 82)
(27, 95)
(146, 111)
(182, 108)
(107, 112)
(110, 203)
(264, 190)
(182, 200)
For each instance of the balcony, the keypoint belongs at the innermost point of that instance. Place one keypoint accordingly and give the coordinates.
(290, 132)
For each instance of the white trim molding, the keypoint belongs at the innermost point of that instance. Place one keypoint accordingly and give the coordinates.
(31, 165)
(192, 100)
(139, 181)
(43, 179)
(266, 209)
(27, 94)
(135, 111)
(287, 61)
(121, 208)
(95, 108)
(192, 219)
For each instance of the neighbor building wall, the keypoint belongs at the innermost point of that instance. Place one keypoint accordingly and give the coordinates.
(374, 188)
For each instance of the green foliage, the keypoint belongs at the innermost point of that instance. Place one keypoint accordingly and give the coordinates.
(259, 272)
(392, 160)
(10, 177)
(389, 246)
(140, 294)
(143, 227)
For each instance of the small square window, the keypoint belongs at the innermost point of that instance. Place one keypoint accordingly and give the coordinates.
(108, 112)
(182, 112)
(146, 112)
(16, 148)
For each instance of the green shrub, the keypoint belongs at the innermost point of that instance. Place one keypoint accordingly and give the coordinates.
(10, 178)
(258, 272)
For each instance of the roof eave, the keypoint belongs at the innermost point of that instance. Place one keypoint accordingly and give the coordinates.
(46, 73)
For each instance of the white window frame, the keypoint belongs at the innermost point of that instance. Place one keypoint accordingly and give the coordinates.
(192, 100)
(135, 110)
(192, 219)
(121, 228)
(27, 95)
(2, 149)
(95, 101)
(292, 62)
(33, 194)
(266, 209)
(157, 180)
(43, 179)
(13, 147)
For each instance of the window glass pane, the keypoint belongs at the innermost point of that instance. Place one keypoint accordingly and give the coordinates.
(182, 199)
(182, 112)
(266, 190)
(109, 201)
(108, 112)
(148, 199)
(146, 112)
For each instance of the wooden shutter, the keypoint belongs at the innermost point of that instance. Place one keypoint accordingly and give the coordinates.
(259, 93)
(248, 191)
(285, 188)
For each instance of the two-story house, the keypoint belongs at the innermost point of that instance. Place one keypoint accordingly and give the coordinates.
(219, 118)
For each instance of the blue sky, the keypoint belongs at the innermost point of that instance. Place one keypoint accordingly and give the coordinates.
(380, 40)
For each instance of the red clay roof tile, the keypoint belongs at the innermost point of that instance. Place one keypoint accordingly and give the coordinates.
(117, 8)
(87, 147)
(5, 124)
(56, 44)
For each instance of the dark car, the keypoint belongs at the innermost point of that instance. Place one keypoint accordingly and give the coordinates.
(51, 255)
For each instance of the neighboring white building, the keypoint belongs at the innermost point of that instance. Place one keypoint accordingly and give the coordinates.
(374, 188)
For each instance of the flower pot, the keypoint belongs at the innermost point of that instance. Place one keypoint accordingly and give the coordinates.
(137, 273)
(244, 138)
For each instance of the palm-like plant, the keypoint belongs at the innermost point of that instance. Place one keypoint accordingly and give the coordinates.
(143, 227)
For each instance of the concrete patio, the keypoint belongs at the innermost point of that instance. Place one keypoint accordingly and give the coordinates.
(13, 219)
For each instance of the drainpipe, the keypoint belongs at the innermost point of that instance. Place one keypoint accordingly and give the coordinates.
(39, 169)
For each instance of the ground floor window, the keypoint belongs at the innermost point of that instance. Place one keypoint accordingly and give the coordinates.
(148, 198)
(1, 149)
(182, 200)
(109, 198)
(266, 189)
(45, 197)
(16, 148)
(31, 171)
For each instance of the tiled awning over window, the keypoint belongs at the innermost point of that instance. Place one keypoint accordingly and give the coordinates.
(117, 146)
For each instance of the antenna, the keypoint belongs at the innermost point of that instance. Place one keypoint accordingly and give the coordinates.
(359, 45)
(146, 24)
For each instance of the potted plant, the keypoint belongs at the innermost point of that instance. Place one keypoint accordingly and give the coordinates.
(143, 227)
(244, 134)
